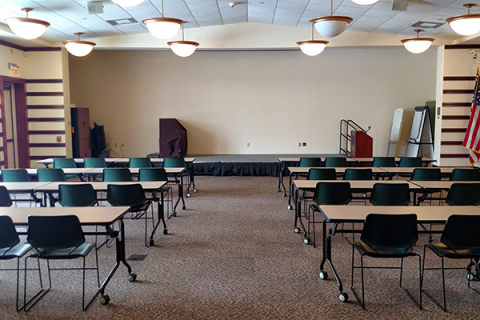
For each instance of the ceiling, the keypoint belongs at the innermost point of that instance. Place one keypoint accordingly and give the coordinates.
(70, 16)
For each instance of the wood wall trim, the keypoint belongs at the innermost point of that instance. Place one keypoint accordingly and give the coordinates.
(452, 130)
(463, 46)
(50, 106)
(45, 157)
(457, 104)
(458, 91)
(46, 119)
(459, 78)
(451, 143)
(47, 145)
(43, 49)
(45, 94)
(454, 155)
(43, 132)
(44, 80)
(455, 117)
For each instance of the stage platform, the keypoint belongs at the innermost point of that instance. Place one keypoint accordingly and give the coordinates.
(243, 164)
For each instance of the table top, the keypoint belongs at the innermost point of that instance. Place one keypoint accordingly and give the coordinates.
(443, 184)
(87, 215)
(354, 184)
(103, 186)
(426, 214)
(297, 159)
(110, 160)
(154, 160)
(337, 169)
(33, 171)
(22, 186)
(406, 170)
(397, 159)
(96, 171)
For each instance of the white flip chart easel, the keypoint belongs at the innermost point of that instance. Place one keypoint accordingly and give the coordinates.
(395, 132)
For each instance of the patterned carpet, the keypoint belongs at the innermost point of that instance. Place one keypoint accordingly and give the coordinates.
(233, 254)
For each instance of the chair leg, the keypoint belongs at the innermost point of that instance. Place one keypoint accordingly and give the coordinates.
(30, 303)
(420, 279)
(363, 290)
(401, 272)
(443, 282)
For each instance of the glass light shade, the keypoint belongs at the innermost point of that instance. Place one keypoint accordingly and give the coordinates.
(417, 45)
(27, 28)
(127, 3)
(465, 25)
(365, 2)
(312, 47)
(183, 48)
(163, 28)
(79, 48)
(331, 26)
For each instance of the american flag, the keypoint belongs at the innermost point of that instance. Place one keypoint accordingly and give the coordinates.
(472, 136)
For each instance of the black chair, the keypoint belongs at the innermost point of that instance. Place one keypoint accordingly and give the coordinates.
(19, 175)
(461, 174)
(116, 174)
(58, 238)
(133, 196)
(358, 174)
(335, 162)
(460, 240)
(427, 174)
(62, 163)
(390, 194)
(139, 163)
(383, 162)
(94, 163)
(5, 200)
(463, 194)
(158, 174)
(410, 162)
(310, 162)
(50, 175)
(179, 162)
(387, 236)
(11, 248)
(77, 195)
(327, 193)
(322, 174)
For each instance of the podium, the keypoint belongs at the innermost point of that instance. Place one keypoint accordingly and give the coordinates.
(362, 145)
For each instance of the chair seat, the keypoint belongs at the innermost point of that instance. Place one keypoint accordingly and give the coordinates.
(66, 253)
(443, 251)
(14, 252)
(166, 188)
(382, 251)
(141, 207)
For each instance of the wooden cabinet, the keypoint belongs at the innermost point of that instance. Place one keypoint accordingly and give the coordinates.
(81, 133)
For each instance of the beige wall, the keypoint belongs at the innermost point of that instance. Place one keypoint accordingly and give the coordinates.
(270, 99)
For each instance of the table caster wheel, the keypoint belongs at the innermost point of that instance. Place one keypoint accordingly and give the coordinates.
(183, 208)
(132, 277)
(278, 190)
(323, 275)
(174, 214)
(343, 297)
(188, 195)
(195, 190)
(151, 242)
(306, 241)
(105, 299)
(284, 194)
(297, 230)
(470, 276)
(165, 231)
(289, 207)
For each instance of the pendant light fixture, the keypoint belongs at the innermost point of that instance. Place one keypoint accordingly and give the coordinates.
(77, 47)
(27, 28)
(331, 26)
(417, 45)
(127, 3)
(466, 24)
(312, 47)
(163, 28)
(183, 48)
(365, 2)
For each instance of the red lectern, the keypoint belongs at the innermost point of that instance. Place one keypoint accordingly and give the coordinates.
(362, 145)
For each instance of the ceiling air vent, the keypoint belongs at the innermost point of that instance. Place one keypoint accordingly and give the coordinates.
(427, 25)
(122, 22)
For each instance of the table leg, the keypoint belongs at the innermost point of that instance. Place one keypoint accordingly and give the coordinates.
(290, 183)
(180, 194)
(191, 178)
(160, 218)
(281, 166)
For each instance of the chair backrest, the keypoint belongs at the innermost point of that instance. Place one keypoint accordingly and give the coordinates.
(9, 236)
(64, 163)
(463, 194)
(77, 195)
(125, 195)
(461, 231)
(322, 174)
(460, 174)
(152, 174)
(94, 163)
(139, 163)
(335, 162)
(5, 200)
(426, 174)
(50, 175)
(410, 162)
(390, 194)
(390, 230)
(358, 174)
(383, 162)
(15, 175)
(332, 193)
(310, 162)
(116, 174)
(174, 162)
(54, 232)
